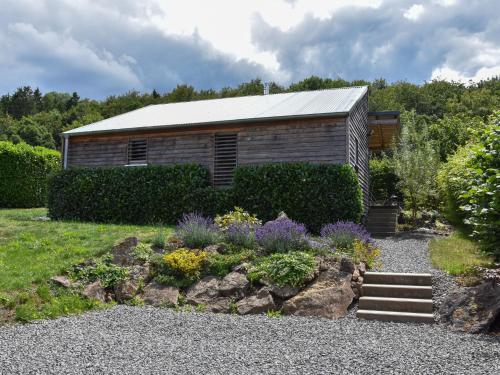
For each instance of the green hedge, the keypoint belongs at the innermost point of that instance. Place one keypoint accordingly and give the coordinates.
(155, 194)
(313, 194)
(383, 179)
(23, 174)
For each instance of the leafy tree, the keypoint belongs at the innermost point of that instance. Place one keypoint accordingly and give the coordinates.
(416, 163)
(53, 122)
(34, 134)
(23, 102)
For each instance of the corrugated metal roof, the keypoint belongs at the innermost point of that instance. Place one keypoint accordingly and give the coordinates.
(239, 109)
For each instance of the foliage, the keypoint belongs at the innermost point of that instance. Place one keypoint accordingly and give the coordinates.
(343, 235)
(367, 253)
(312, 194)
(185, 261)
(290, 269)
(142, 252)
(197, 231)
(156, 194)
(274, 314)
(416, 164)
(281, 235)
(383, 179)
(24, 171)
(457, 255)
(241, 234)
(160, 238)
(104, 270)
(222, 264)
(239, 215)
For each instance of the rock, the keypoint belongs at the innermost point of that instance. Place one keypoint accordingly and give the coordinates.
(126, 289)
(95, 291)
(139, 272)
(282, 215)
(326, 263)
(234, 284)
(160, 295)
(123, 252)
(215, 249)
(328, 296)
(283, 292)
(259, 303)
(362, 268)
(355, 275)
(219, 305)
(203, 291)
(347, 265)
(242, 268)
(472, 309)
(62, 281)
(356, 288)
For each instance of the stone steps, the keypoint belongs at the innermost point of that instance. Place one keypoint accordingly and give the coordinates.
(398, 297)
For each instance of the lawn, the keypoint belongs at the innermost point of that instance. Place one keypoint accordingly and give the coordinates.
(32, 251)
(457, 254)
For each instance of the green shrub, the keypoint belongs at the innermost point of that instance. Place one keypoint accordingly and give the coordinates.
(313, 194)
(383, 179)
(160, 238)
(106, 272)
(290, 269)
(143, 252)
(24, 171)
(222, 264)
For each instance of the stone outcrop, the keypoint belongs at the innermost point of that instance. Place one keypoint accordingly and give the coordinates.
(126, 290)
(203, 291)
(123, 252)
(160, 295)
(472, 309)
(258, 303)
(95, 291)
(234, 284)
(328, 296)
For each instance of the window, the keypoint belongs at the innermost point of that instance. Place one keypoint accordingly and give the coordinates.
(225, 158)
(137, 151)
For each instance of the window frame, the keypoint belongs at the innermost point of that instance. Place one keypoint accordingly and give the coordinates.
(139, 162)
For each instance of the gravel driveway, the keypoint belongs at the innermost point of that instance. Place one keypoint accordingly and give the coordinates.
(135, 340)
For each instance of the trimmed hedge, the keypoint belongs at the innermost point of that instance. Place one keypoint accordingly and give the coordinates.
(138, 195)
(24, 170)
(383, 179)
(311, 194)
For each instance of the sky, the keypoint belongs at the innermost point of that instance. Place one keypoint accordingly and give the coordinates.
(105, 47)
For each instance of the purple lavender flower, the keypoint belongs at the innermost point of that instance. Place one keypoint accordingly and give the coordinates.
(281, 235)
(241, 234)
(197, 231)
(342, 234)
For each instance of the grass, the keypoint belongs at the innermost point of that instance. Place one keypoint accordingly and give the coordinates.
(33, 251)
(457, 255)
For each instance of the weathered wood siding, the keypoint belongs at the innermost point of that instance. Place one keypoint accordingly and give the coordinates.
(312, 140)
(358, 129)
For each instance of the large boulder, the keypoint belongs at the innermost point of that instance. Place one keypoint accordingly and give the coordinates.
(472, 309)
(234, 284)
(160, 295)
(259, 303)
(123, 252)
(95, 291)
(283, 292)
(126, 290)
(218, 305)
(328, 296)
(203, 291)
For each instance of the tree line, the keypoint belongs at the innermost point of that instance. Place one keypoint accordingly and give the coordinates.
(442, 107)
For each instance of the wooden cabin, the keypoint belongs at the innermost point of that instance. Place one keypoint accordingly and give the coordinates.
(327, 126)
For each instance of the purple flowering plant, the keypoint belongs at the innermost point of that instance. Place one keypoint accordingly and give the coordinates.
(241, 234)
(281, 235)
(343, 234)
(197, 231)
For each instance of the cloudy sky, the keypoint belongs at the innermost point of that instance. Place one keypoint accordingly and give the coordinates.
(103, 47)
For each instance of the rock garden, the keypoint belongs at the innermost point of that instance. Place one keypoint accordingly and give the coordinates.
(234, 264)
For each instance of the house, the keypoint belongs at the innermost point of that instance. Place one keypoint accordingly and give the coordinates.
(327, 126)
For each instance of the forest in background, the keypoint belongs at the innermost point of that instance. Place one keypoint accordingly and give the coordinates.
(444, 108)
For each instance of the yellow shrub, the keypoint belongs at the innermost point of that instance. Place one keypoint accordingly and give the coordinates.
(237, 216)
(367, 253)
(185, 261)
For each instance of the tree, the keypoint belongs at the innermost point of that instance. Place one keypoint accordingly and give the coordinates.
(34, 134)
(73, 101)
(416, 163)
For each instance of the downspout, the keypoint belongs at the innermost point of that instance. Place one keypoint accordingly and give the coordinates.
(66, 146)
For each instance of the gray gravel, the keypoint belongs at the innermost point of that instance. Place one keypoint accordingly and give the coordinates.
(161, 341)
(153, 341)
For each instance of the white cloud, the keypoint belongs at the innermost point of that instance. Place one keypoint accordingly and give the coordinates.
(450, 74)
(414, 12)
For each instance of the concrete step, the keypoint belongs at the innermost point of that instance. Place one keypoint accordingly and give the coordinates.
(396, 304)
(396, 278)
(395, 316)
(396, 291)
